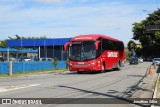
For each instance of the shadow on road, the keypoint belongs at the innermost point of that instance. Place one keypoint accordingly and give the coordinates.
(136, 87)
(119, 100)
(83, 73)
(126, 98)
(88, 72)
(135, 75)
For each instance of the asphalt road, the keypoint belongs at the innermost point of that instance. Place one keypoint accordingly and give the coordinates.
(130, 82)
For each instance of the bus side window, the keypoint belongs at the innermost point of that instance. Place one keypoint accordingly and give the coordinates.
(121, 46)
(110, 45)
(114, 45)
(106, 45)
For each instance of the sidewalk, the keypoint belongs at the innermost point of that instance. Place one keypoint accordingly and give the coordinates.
(147, 87)
(36, 73)
(157, 89)
(158, 84)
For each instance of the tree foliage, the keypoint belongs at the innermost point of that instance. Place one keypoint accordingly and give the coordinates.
(3, 44)
(157, 36)
(148, 38)
(17, 37)
(55, 62)
(131, 45)
(140, 33)
(127, 53)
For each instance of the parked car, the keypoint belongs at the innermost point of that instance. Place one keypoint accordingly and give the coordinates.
(27, 59)
(140, 60)
(133, 61)
(144, 59)
(1, 59)
(45, 59)
(156, 61)
(9, 59)
(149, 59)
(12, 59)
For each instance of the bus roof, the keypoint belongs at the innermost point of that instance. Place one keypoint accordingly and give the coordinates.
(92, 37)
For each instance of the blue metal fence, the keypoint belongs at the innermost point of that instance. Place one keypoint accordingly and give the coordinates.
(29, 66)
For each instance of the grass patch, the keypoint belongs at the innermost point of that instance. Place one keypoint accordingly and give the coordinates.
(126, 61)
(4, 75)
(24, 73)
(159, 85)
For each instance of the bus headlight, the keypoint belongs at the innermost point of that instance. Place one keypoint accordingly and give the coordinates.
(70, 64)
(93, 63)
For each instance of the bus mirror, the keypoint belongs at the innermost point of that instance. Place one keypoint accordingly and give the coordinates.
(96, 45)
(66, 45)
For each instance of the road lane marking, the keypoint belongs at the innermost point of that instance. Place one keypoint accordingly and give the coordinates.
(16, 87)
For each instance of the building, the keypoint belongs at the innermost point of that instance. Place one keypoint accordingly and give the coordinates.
(49, 48)
(138, 45)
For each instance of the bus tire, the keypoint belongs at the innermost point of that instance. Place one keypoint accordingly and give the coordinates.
(118, 66)
(103, 68)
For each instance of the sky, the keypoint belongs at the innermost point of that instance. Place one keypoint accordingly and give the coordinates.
(69, 18)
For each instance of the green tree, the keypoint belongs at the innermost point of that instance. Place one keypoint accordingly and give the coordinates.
(157, 36)
(147, 32)
(17, 37)
(67, 63)
(127, 54)
(140, 34)
(131, 45)
(41, 37)
(140, 29)
(3, 44)
(55, 62)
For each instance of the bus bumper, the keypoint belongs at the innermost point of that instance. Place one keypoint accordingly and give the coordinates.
(90, 68)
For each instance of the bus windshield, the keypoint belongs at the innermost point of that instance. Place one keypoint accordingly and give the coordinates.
(82, 51)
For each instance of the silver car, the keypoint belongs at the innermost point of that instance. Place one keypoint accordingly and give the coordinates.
(140, 60)
(45, 59)
(156, 61)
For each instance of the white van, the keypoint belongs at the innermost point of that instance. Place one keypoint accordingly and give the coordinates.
(45, 59)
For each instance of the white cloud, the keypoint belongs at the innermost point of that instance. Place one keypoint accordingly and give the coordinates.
(113, 19)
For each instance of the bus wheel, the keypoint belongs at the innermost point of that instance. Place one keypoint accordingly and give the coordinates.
(118, 66)
(103, 69)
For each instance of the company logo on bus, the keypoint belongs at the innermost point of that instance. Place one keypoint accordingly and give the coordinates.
(80, 62)
(112, 54)
(79, 38)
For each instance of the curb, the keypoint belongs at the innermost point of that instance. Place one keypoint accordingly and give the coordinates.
(37, 74)
(155, 90)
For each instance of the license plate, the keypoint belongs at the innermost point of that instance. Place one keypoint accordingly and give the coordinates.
(81, 69)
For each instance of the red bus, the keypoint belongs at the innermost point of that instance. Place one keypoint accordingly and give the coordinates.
(94, 52)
